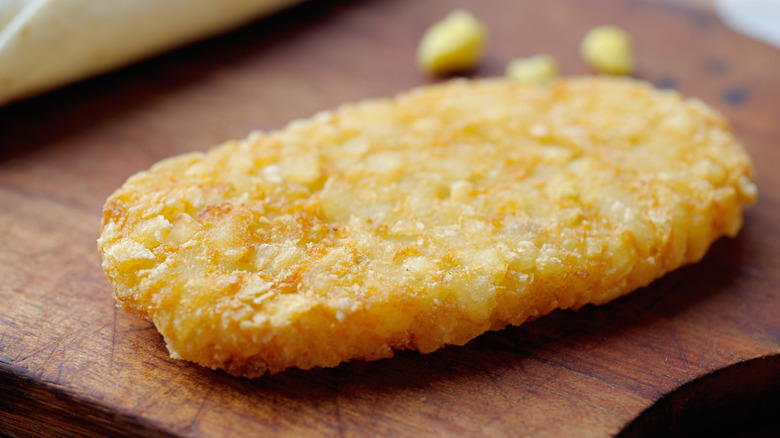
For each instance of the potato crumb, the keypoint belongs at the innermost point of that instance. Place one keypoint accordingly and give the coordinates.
(539, 69)
(461, 190)
(452, 45)
(608, 49)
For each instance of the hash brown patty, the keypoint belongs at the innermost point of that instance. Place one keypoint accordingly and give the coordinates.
(422, 220)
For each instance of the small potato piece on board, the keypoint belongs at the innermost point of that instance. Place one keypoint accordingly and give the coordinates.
(422, 220)
(607, 49)
(452, 45)
(538, 69)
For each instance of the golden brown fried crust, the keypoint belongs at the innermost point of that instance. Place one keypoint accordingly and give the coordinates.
(422, 220)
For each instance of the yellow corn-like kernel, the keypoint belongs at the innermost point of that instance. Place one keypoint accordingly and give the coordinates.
(607, 49)
(453, 44)
(539, 69)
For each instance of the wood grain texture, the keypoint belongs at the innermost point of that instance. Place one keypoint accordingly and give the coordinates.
(72, 364)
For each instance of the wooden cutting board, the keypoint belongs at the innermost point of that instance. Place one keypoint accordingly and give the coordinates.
(71, 364)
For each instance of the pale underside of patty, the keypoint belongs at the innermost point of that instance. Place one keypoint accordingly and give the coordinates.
(422, 220)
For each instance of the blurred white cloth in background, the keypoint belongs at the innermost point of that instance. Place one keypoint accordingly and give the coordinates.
(759, 19)
(48, 43)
